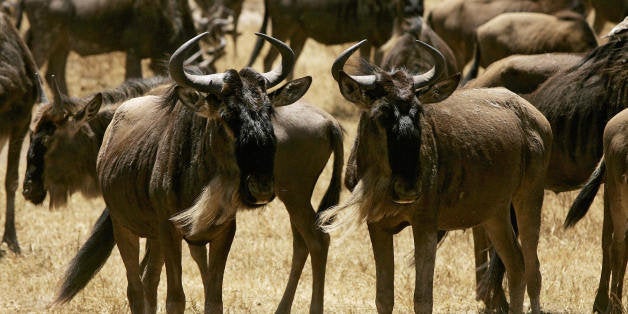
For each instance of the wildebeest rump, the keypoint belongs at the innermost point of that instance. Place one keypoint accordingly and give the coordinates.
(453, 164)
(531, 33)
(455, 21)
(613, 171)
(19, 90)
(142, 29)
(332, 22)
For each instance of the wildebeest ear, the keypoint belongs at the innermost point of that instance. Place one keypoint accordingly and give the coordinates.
(90, 110)
(194, 101)
(438, 91)
(352, 91)
(290, 92)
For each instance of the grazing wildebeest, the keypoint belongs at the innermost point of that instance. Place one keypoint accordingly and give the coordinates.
(455, 21)
(578, 102)
(19, 90)
(608, 10)
(333, 22)
(142, 29)
(454, 164)
(531, 33)
(297, 128)
(404, 51)
(613, 171)
(522, 74)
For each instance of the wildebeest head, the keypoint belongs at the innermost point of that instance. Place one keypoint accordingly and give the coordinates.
(239, 104)
(55, 148)
(390, 136)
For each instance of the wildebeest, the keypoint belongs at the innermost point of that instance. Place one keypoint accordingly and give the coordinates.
(404, 51)
(298, 128)
(578, 102)
(456, 163)
(142, 29)
(531, 33)
(19, 90)
(522, 74)
(455, 21)
(333, 22)
(231, 8)
(613, 171)
(608, 11)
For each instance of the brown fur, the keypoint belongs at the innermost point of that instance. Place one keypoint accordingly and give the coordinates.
(18, 94)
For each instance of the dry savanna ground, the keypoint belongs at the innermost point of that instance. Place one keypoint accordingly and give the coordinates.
(259, 262)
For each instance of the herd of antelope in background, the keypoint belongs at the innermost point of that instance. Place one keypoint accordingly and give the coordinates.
(175, 156)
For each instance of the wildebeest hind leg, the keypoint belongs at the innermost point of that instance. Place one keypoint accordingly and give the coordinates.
(150, 274)
(299, 256)
(133, 66)
(502, 236)
(128, 245)
(382, 242)
(170, 242)
(56, 66)
(619, 245)
(10, 184)
(600, 305)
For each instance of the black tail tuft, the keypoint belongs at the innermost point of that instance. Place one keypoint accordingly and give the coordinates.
(585, 198)
(475, 66)
(89, 259)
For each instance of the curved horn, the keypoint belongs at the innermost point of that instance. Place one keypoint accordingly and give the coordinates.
(278, 74)
(340, 61)
(43, 99)
(205, 83)
(435, 72)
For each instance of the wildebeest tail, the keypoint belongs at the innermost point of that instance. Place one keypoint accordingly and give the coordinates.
(475, 66)
(89, 259)
(332, 196)
(583, 201)
(259, 43)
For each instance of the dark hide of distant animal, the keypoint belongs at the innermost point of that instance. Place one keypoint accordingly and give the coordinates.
(531, 33)
(19, 90)
(613, 171)
(608, 11)
(333, 22)
(65, 138)
(455, 21)
(142, 29)
(457, 162)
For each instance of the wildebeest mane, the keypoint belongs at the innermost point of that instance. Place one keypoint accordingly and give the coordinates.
(580, 100)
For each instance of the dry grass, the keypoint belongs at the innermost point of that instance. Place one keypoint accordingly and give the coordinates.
(259, 262)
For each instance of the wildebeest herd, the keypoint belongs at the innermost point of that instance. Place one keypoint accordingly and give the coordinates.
(177, 155)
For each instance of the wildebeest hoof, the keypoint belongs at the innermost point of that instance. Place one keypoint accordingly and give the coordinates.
(13, 245)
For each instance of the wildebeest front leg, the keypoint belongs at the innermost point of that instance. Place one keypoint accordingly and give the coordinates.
(133, 65)
(382, 242)
(219, 249)
(11, 181)
(299, 256)
(128, 245)
(151, 270)
(424, 231)
(56, 66)
(170, 242)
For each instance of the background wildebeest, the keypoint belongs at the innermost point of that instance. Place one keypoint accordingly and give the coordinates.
(613, 172)
(530, 33)
(608, 11)
(523, 74)
(231, 8)
(455, 21)
(142, 29)
(333, 22)
(454, 164)
(578, 102)
(402, 50)
(19, 90)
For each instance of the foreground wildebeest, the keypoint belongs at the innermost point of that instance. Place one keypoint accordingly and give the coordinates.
(608, 10)
(578, 102)
(613, 171)
(19, 90)
(405, 52)
(455, 21)
(228, 103)
(454, 164)
(522, 74)
(333, 22)
(142, 29)
(531, 33)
